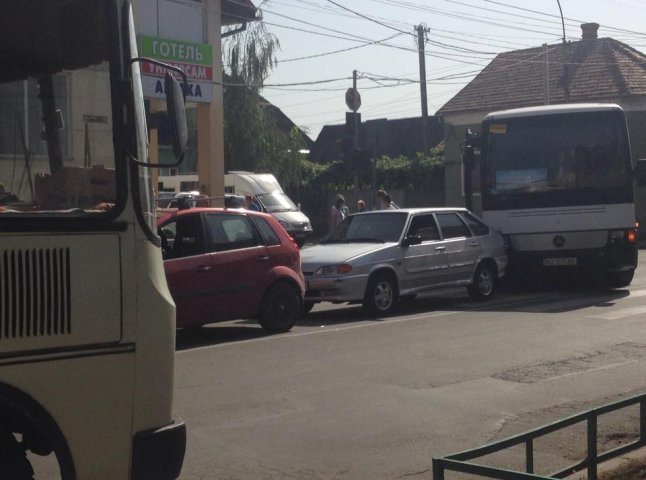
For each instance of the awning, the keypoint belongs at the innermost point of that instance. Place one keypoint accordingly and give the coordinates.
(237, 12)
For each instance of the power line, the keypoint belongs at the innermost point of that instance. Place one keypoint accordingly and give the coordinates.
(369, 18)
(339, 51)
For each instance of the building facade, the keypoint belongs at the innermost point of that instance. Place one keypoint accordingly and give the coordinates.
(188, 34)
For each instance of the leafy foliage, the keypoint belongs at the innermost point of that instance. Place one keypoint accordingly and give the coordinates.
(252, 139)
(421, 171)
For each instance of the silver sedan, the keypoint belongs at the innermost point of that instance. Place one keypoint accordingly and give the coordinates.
(377, 258)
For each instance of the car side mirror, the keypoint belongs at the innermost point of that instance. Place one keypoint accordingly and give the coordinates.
(411, 240)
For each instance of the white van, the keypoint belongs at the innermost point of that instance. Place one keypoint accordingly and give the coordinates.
(267, 192)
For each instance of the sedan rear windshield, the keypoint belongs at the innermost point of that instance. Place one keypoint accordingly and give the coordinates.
(370, 227)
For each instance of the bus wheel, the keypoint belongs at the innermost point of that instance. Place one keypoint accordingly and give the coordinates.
(281, 307)
(382, 294)
(619, 279)
(13, 459)
(484, 282)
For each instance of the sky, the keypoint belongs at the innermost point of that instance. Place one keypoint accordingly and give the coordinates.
(323, 41)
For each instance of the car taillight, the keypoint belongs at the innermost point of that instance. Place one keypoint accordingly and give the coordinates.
(628, 236)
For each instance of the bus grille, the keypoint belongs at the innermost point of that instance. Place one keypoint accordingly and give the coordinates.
(35, 293)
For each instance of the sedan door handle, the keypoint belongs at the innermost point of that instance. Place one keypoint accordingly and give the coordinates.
(474, 244)
(204, 269)
(263, 258)
(440, 249)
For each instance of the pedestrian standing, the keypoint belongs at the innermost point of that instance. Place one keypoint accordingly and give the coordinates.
(388, 203)
(380, 199)
(382, 204)
(361, 206)
(337, 212)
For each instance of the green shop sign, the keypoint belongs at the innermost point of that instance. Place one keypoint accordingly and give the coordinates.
(176, 50)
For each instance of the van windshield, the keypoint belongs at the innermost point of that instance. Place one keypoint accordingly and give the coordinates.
(277, 202)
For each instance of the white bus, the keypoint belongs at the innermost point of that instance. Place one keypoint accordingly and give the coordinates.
(87, 324)
(557, 181)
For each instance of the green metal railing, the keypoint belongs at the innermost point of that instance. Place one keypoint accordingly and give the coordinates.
(461, 462)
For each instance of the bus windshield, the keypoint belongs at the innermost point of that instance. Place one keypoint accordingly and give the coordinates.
(556, 160)
(57, 156)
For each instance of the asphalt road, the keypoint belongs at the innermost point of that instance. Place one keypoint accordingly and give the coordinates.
(344, 396)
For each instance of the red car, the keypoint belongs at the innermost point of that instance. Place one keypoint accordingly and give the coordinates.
(226, 264)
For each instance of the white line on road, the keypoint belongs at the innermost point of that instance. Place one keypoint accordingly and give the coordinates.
(323, 329)
(622, 313)
(550, 302)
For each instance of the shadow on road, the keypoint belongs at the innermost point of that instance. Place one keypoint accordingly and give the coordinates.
(558, 294)
(215, 334)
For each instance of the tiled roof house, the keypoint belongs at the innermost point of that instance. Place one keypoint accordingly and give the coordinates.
(590, 70)
(401, 136)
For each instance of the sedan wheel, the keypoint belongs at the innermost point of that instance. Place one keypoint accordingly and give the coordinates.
(382, 295)
(484, 283)
(281, 307)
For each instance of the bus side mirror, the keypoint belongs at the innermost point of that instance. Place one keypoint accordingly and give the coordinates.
(176, 109)
(639, 172)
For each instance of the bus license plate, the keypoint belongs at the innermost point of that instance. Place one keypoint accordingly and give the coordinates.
(559, 262)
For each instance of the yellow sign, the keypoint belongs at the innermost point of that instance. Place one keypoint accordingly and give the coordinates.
(499, 128)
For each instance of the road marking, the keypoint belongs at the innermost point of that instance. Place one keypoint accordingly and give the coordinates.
(544, 303)
(622, 313)
(596, 369)
(327, 329)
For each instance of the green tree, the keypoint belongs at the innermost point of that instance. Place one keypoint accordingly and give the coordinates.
(252, 139)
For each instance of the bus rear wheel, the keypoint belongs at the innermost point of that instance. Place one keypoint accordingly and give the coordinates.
(619, 279)
(13, 459)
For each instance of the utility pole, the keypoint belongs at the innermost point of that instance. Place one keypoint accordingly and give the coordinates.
(566, 70)
(355, 142)
(422, 30)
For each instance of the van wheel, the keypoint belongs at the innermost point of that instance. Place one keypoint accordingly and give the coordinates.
(281, 307)
(484, 282)
(13, 459)
(382, 295)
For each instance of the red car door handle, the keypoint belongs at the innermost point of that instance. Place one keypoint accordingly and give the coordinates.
(263, 258)
(204, 268)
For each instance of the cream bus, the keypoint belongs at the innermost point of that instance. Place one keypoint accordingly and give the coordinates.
(87, 324)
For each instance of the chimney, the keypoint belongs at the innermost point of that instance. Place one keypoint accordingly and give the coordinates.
(589, 31)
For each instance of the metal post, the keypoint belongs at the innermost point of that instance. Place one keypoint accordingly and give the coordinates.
(421, 37)
(529, 455)
(642, 421)
(48, 104)
(592, 446)
(438, 470)
(356, 117)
